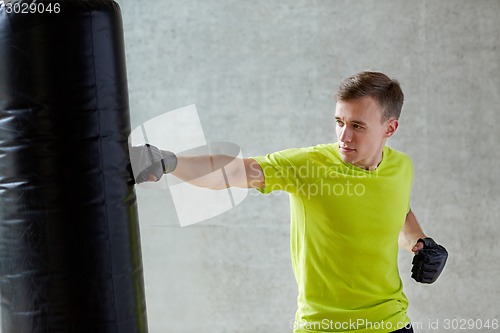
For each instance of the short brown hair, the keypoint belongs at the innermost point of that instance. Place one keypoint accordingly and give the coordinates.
(386, 91)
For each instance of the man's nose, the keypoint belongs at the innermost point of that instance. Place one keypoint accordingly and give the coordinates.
(345, 134)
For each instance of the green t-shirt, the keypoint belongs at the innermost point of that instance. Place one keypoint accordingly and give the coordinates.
(345, 223)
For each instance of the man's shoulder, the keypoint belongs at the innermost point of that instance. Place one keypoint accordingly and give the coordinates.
(395, 159)
(324, 147)
(299, 156)
(396, 152)
(319, 152)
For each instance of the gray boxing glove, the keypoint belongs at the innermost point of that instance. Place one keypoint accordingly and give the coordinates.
(148, 160)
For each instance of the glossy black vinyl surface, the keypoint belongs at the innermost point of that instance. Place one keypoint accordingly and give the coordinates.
(70, 258)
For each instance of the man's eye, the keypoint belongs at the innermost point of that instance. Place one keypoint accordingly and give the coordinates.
(339, 122)
(358, 127)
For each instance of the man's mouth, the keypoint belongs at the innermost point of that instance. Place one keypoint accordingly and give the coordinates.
(346, 149)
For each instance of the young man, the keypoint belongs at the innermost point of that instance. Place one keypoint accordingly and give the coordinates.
(350, 205)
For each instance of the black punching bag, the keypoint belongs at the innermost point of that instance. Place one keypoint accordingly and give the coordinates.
(70, 258)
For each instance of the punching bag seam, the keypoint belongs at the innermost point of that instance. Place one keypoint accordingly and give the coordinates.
(101, 150)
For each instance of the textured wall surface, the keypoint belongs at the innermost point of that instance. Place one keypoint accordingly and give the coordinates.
(263, 74)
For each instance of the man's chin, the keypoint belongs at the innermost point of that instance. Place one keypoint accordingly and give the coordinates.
(347, 158)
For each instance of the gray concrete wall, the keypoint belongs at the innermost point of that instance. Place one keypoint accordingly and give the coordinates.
(262, 74)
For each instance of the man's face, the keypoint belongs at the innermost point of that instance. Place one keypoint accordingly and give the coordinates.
(361, 132)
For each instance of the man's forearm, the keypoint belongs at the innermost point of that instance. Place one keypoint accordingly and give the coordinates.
(411, 232)
(209, 171)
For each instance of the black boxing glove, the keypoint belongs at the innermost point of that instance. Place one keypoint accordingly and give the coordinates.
(429, 262)
(149, 160)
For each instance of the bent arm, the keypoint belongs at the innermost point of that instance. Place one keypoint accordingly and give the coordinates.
(219, 171)
(410, 233)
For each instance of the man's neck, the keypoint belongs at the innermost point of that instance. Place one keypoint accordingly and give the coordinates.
(373, 164)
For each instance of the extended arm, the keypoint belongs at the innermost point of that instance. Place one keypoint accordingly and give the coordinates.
(209, 171)
(219, 171)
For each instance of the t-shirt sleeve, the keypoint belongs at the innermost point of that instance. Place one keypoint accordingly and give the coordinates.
(282, 170)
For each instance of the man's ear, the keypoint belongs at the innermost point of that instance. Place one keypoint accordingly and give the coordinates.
(391, 127)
